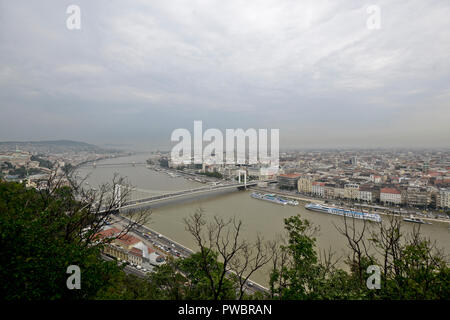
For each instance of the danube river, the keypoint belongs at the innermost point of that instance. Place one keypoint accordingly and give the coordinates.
(257, 216)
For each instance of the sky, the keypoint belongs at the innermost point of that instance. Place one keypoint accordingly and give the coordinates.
(316, 70)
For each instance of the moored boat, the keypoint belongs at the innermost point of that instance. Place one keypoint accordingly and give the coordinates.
(415, 220)
(344, 212)
(269, 197)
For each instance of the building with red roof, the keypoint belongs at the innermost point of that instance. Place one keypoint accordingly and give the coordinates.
(288, 181)
(390, 195)
(126, 247)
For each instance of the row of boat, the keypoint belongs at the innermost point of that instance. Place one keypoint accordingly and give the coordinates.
(357, 214)
(331, 210)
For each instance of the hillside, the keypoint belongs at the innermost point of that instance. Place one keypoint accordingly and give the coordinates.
(55, 146)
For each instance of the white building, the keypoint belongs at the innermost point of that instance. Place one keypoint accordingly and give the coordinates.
(390, 195)
(318, 189)
(262, 172)
(365, 194)
(375, 178)
(444, 198)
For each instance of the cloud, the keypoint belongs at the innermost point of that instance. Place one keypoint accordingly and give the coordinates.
(310, 68)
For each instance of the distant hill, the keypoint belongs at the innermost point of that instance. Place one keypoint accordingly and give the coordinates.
(51, 146)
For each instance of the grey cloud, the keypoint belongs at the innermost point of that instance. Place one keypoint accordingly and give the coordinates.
(138, 69)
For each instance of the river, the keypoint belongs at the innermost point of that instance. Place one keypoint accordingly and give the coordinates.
(257, 216)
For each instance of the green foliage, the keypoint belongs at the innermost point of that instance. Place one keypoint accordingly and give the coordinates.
(39, 240)
(22, 172)
(186, 278)
(419, 275)
(42, 162)
(129, 287)
(301, 274)
(195, 266)
(415, 272)
(36, 248)
(40, 236)
(212, 174)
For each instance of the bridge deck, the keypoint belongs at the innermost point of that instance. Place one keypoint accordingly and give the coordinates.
(188, 192)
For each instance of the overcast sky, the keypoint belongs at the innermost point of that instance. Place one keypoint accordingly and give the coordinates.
(136, 70)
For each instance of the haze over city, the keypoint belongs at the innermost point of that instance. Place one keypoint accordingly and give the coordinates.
(137, 70)
(212, 159)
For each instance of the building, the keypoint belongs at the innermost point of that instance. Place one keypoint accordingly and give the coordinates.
(136, 256)
(339, 192)
(390, 196)
(116, 251)
(351, 191)
(125, 247)
(443, 198)
(318, 189)
(375, 178)
(127, 242)
(328, 190)
(262, 172)
(288, 181)
(305, 184)
(417, 197)
(366, 194)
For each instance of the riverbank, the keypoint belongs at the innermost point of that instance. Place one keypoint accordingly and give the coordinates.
(321, 201)
(258, 217)
(141, 230)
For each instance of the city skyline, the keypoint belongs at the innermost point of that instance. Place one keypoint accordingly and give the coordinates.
(134, 72)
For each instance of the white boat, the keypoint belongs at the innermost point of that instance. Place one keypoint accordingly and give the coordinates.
(269, 197)
(344, 212)
(415, 220)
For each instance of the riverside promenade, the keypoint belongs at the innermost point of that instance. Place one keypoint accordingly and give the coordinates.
(379, 210)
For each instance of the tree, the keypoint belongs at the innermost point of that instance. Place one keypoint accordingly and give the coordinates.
(205, 280)
(294, 277)
(45, 231)
(412, 267)
(223, 256)
(252, 258)
(359, 246)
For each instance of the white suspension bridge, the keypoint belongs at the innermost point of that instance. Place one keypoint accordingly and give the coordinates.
(147, 196)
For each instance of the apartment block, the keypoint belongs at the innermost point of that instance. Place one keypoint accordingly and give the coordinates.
(288, 181)
(390, 196)
(305, 184)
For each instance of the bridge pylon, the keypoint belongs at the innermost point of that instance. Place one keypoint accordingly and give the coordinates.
(245, 177)
(118, 195)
